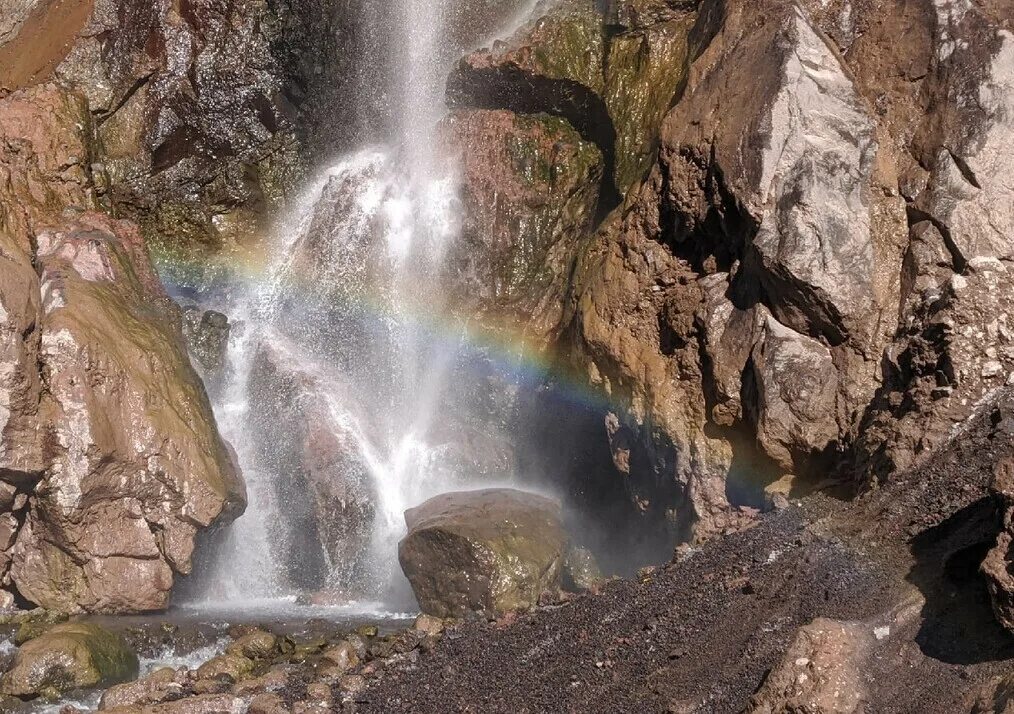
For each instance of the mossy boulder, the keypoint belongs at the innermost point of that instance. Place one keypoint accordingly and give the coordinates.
(73, 655)
(492, 551)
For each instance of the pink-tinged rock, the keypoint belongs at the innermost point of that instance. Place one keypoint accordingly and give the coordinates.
(529, 186)
(135, 464)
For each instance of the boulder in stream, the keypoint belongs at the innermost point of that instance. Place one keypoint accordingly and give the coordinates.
(73, 655)
(491, 551)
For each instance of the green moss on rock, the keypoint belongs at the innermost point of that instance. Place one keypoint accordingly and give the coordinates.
(73, 655)
(644, 72)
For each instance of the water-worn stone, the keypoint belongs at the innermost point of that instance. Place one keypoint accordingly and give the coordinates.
(159, 686)
(258, 644)
(69, 656)
(428, 625)
(341, 656)
(491, 551)
(821, 672)
(232, 666)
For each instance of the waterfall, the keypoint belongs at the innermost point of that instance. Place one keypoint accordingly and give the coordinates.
(349, 397)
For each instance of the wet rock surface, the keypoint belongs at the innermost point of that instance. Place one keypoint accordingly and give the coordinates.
(112, 462)
(530, 188)
(492, 551)
(69, 656)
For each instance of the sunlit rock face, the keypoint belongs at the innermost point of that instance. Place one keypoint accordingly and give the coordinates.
(111, 458)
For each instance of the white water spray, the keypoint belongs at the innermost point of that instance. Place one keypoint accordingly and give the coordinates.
(343, 398)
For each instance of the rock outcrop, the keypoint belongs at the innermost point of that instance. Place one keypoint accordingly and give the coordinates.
(529, 192)
(492, 551)
(111, 459)
(812, 276)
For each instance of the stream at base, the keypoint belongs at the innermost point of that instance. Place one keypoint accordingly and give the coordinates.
(187, 637)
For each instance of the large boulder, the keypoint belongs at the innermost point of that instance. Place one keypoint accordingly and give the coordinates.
(74, 655)
(136, 465)
(109, 453)
(491, 551)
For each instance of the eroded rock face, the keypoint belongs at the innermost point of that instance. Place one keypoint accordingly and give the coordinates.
(530, 188)
(821, 672)
(111, 458)
(74, 655)
(757, 175)
(197, 135)
(491, 551)
(969, 138)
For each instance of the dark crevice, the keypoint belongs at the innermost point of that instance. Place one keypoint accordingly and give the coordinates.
(101, 117)
(959, 626)
(519, 92)
(965, 169)
(917, 215)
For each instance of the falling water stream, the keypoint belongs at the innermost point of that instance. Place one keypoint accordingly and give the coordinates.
(342, 331)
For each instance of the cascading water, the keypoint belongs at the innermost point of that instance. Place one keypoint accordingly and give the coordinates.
(347, 396)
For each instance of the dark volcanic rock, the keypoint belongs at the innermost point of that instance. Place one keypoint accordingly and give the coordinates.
(492, 551)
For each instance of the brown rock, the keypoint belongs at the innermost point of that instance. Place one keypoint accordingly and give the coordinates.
(997, 565)
(161, 685)
(131, 445)
(821, 672)
(491, 551)
(429, 625)
(267, 703)
(229, 666)
(341, 656)
(258, 644)
(530, 186)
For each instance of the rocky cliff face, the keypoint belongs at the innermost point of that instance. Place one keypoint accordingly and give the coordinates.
(805, 275)
(110, 461)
